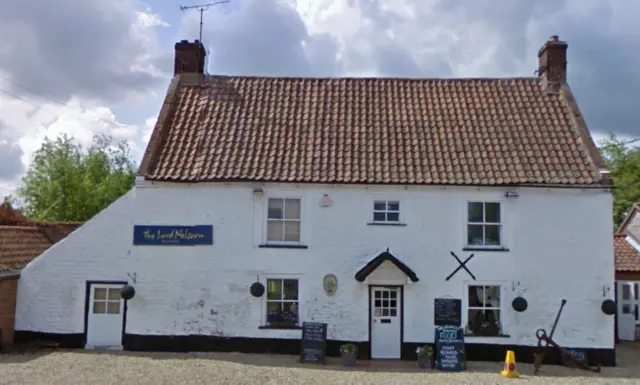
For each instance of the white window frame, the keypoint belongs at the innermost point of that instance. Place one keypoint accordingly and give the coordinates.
(500, 224)
(267, 219)
(282, 277)
(106, 301)
(465, 306)
(386, 201)
(631, 302)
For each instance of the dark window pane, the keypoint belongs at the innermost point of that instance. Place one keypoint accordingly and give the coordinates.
(393, 294)
(626, 291)
(393, 303)
(378, 303)
(475, 236)
(393, 206)
(274, 289)
(379, 217)
(290, 289)
(393, 217)
(492, 212)
(385, 303)
(626, 309)
(273, 308)
(475, 296)
(475, 211)
(492, 235)
(275, 208)
(385, 312)
(385, 294)
(377, 294)
(393, 312)
(492, 296)
(379, 206)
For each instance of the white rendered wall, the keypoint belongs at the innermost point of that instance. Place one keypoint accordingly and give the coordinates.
(559, 241)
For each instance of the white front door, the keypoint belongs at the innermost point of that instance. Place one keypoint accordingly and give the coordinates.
(105, 320)
(386, 322)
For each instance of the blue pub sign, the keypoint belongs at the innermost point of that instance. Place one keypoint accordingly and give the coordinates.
(173, 235)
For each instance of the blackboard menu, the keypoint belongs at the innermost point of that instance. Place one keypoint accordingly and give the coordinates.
(314, 342)
(447, 312)
(450, 352)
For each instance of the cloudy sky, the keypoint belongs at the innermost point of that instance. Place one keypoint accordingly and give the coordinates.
(102, 66)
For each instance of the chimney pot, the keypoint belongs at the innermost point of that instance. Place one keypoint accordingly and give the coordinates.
(189, 57)
(552, 61)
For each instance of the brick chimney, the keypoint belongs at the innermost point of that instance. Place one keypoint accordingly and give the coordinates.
(552, 60)
(190, 57)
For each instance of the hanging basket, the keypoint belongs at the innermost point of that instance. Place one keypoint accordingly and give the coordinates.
(127, 292)
(608, 307)
(519, 304)
(256, 289)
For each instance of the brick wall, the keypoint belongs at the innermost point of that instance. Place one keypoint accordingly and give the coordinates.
(8, 289)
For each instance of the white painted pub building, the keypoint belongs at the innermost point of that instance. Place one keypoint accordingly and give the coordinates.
(266, 202)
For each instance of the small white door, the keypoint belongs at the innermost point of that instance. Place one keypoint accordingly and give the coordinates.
(626, 327)
(105, 320)
(385, 322)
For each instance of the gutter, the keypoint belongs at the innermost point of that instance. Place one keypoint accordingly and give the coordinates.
(9, 274)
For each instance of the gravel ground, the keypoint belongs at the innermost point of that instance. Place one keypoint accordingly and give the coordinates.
(81, 367)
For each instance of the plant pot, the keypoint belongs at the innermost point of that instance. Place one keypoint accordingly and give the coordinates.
(426, 362)
(348, 359)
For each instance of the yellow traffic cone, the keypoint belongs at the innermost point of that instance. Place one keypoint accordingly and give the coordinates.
(509, 370)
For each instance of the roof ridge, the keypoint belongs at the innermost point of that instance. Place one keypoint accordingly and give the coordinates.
(361, 78)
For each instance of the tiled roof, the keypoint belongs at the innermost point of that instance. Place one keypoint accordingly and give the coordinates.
(370, 130)
(19, 245)
(627, 257)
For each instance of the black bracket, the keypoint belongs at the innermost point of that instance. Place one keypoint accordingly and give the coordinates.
(461, 266)
(133, 277)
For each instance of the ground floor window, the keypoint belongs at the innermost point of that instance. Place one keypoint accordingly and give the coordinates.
(483, 310)
(282, 302)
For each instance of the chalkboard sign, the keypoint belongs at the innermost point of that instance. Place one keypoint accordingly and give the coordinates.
(314, 342)
(450, 352)
(447, 312)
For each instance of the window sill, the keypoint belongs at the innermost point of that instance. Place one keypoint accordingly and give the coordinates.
(481, 248)
(386, 224)
(280, 327)
(278, 246)
(480, 336)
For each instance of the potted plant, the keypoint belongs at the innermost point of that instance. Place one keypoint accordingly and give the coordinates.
(348, 353)
(282, 319)
(425, 357)
(482, 326)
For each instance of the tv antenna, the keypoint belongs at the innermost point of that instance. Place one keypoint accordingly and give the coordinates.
(201, 8)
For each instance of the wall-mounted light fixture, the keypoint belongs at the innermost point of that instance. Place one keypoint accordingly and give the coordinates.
(511, 194)
(258, 191)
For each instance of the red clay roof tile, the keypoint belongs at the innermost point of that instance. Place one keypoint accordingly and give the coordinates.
(19, 245)
(363, 130)
(627, 257)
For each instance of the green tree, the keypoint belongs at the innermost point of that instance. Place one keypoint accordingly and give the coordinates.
(65, 183)
(623, 161)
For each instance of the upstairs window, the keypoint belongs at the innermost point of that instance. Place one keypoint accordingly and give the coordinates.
(385, 211)
(283, 220)
(483, 224)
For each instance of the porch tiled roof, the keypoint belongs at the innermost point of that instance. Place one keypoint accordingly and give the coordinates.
(627, 257)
